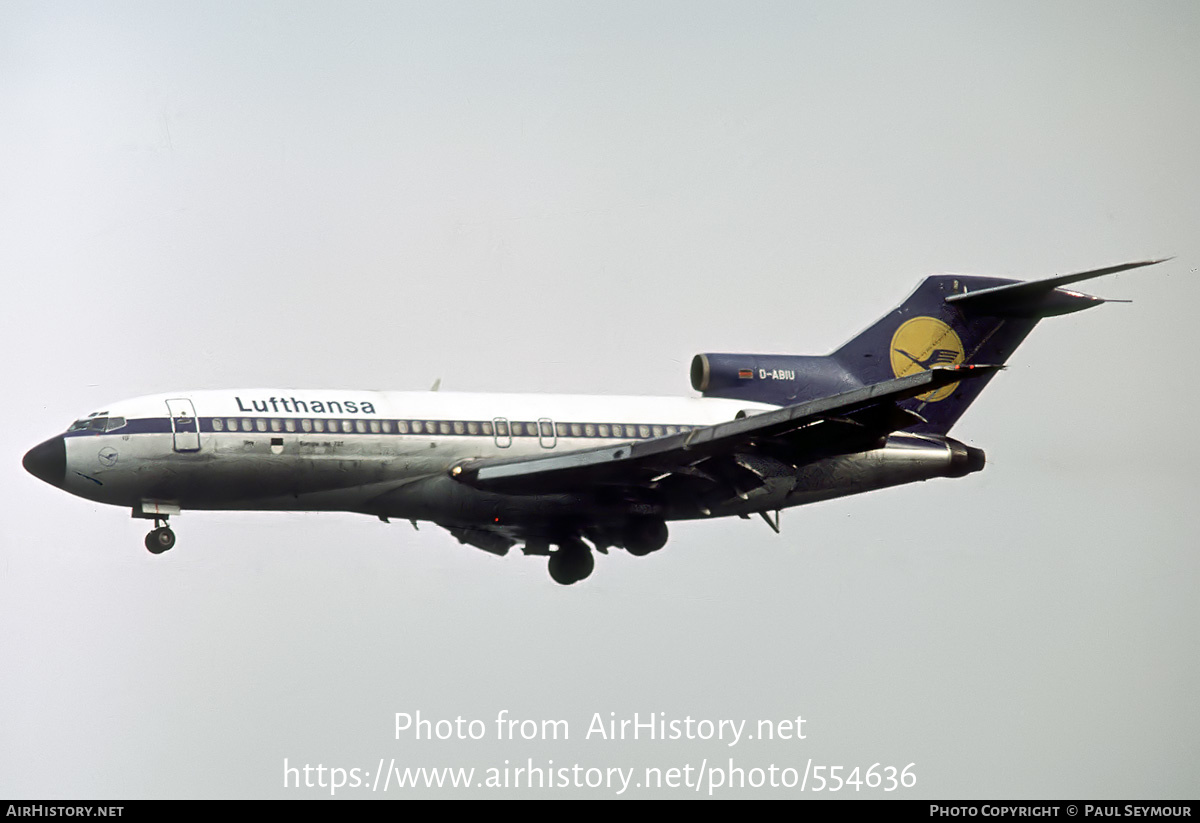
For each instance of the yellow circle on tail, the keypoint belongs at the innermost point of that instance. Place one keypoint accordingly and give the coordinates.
(921, 343)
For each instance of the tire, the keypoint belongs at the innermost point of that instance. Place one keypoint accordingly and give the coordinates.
(160, 540)
(570, 565)
(643, 535)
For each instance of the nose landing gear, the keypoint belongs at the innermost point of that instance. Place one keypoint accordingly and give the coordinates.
(161, 538)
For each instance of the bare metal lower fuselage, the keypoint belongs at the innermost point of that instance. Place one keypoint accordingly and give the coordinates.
(408, 477)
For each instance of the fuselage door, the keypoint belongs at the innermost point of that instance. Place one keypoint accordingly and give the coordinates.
(546, 432)
(502, 432)
(184, 424)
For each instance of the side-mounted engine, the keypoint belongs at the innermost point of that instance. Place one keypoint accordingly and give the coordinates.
(781, 379)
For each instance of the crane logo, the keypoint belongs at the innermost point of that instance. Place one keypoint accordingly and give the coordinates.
(924, 342)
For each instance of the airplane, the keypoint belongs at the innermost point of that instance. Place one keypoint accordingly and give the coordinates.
(566, 476)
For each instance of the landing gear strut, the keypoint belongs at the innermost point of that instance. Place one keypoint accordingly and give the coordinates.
(161, 539)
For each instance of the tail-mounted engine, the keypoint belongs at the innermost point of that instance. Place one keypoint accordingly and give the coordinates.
(781, 379)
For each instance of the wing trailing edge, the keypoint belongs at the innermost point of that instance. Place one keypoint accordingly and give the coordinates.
(851, 420)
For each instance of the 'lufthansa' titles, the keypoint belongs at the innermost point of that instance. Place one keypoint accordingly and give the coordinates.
(290, 405)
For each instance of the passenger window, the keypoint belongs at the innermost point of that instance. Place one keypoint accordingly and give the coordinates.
(576, 430)
(374, 427)
(444, 428)
(402, 426)
(276, 424)
(502, 429)
(306, 424)
(387, 426)
(644, 431)
(563, 429)
(360, 426)
(547, 428)
(319, 424)
(589, 429)
(517, 429)
(261, 424)
(289, 424)
(418, 427)
(658, 431)
(247, 425)
(347, 426)
(218, 424)
(459, 427)
(472, 428)
(431, 427)
(487, 428)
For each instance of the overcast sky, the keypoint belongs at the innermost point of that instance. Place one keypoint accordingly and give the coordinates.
(578, 197)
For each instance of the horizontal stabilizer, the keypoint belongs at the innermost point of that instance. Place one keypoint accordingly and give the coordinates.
(1037, 298)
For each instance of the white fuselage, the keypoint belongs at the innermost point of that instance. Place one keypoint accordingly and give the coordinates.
(281, 449)
(411, 455)
(853, 421)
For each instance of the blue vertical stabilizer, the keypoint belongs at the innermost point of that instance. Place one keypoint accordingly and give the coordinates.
(949, 319)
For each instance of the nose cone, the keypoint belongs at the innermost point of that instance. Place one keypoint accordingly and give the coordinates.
(48, 461)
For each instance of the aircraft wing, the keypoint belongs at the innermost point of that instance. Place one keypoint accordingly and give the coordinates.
(723, 454)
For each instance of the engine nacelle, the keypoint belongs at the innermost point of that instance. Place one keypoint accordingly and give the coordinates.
(781, 379)
(903, 458)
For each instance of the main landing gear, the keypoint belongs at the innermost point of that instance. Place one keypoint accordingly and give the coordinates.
(571, 562)
(161, 539)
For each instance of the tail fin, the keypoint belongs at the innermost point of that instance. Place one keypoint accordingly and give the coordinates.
(949, 319)
(954, 319)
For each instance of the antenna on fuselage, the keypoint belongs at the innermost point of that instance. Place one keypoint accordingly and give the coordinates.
(437, 384)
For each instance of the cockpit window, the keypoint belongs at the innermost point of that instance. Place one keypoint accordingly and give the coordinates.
(98, 424)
